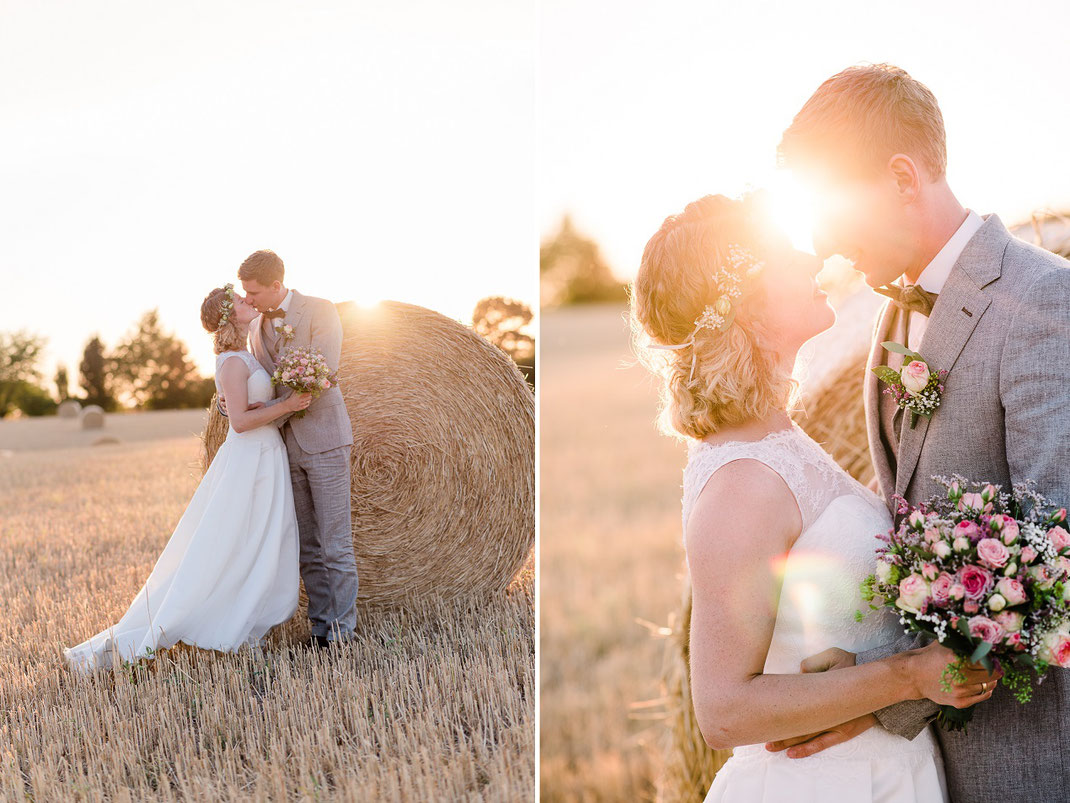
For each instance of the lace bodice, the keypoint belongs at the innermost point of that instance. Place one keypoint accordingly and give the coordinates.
(834, 552)
(260, 387)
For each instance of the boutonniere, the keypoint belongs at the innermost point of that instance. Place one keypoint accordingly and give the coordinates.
(284, 330)
(915, 387)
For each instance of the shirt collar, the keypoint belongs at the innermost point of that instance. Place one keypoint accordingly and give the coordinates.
(285, 305)
(937, 271)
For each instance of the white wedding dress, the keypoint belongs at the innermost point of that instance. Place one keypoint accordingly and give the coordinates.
(818, 600)
(229, 572)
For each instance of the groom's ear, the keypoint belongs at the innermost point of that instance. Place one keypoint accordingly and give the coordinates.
(906, 176)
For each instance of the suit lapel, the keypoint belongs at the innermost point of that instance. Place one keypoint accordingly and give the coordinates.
(958, 310)
(871, 399)
(297, 309)
(260, 346)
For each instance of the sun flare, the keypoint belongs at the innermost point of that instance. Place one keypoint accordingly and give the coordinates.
(793, 211)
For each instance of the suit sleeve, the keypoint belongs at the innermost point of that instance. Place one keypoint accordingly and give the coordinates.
(325, 336)
(1034, 388)
(910, 717)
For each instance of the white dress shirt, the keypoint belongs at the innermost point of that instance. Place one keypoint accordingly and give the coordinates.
(936, 272)
(285, 305)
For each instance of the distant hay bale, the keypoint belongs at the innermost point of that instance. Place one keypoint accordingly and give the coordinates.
(70, 408)
(443, 459)
(834, 417)
(92, 417)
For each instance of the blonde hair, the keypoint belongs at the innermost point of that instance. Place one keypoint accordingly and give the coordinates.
(264, 267)
(231, 335)
(863, 115)
(738, 376)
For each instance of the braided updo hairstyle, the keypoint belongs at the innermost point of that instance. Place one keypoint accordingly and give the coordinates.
(231, 335)
(737, 377)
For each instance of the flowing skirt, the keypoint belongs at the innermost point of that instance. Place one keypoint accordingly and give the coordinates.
(229, 572)
(874, 766)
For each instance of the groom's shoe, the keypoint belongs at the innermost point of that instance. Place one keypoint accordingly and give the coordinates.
(320, 641)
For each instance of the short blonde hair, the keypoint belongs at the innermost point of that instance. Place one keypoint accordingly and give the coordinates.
(860, 117)
(231, 336)
(264, 267)
(737, 375)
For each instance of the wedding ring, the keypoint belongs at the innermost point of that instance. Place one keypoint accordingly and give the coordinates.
(984, 686)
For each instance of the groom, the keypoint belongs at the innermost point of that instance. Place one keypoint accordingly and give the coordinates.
(318, 444)
(995, 313)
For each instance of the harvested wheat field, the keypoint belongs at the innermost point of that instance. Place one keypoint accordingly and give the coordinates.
(432, 702)
(613, 722)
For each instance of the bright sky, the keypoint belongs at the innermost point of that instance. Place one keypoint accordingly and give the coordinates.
(647, 106)
(383, 149)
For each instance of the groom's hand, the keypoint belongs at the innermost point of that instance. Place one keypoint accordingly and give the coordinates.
(811, 743)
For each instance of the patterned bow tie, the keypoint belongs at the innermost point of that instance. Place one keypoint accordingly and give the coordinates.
(913, 297)
(275, 313)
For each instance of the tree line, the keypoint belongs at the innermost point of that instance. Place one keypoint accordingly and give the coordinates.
(150, 368)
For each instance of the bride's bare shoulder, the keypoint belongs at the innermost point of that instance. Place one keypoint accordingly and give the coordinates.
(743, 499)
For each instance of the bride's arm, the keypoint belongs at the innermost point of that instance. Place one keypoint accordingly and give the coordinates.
(234, 377)
(743, 524)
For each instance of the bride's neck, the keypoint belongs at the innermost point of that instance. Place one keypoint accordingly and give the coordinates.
(753, 430)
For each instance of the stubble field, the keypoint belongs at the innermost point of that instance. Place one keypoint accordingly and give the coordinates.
(435, 702)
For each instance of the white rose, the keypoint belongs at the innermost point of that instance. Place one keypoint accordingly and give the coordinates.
(915, 376)
(941, 549)
(996, 603)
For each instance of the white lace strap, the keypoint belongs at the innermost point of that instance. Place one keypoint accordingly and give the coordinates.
(704, 459)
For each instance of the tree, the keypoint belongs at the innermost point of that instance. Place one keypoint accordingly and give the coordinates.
(63, 391)
(152, 367)
(19, 353)
(572, 270)
(96, 380)
(502, 320)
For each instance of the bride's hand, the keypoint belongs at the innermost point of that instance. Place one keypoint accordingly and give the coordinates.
(925, 669)
(298, 401)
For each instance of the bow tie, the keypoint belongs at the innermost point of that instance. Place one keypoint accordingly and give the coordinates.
(913, 297)
(275, 313)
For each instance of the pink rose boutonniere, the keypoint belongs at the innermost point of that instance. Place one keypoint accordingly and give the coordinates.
(915, 387)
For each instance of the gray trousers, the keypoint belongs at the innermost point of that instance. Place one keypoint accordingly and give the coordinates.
(321, 487)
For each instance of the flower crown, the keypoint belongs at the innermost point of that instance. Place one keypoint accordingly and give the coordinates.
(228, 305)
(741, 265)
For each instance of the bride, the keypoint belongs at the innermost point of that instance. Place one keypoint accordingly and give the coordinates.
(229, 571)
(777, 535)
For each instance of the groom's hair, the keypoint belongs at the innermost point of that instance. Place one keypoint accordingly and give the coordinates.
(862, 116)
(263, 266)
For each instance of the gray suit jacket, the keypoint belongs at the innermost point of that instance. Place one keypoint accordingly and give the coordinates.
(1001, 327)
(326, 425)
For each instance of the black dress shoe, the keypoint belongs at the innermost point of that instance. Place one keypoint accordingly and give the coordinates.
(321, 641)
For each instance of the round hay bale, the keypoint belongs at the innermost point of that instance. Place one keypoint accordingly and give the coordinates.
(71, 408)
(443, 458)
(92, 417)
(833, 415)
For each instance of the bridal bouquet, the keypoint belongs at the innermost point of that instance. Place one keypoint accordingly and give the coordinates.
(988, 574)
(306, 371)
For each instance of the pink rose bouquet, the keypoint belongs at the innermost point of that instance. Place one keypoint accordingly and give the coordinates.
(306, 371)
(988, 575)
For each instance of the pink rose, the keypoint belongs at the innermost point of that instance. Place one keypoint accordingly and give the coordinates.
(1011, 621)
(1006, 527)
(941, 549)
(966, 529)
(1058, 645)
(1028, 554)
(1015, 640)
(1064, 564)
(915, 377)
(985, 629)
(976, 582)
(916, 520)
(958, 591)
(1012, 590)
(928, 571)
(1060, 538)
(971, 502)
(992, 553)
(971, 606)
(913, 593)
(941, 588)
